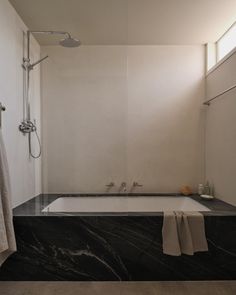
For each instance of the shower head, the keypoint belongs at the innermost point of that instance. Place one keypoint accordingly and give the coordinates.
(69, 42)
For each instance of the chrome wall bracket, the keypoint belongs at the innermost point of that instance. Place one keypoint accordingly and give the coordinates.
(26, 65)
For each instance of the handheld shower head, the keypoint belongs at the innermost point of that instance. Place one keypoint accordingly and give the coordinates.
(69, 42)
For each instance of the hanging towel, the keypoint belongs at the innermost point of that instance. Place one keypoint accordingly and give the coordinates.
(183, 233)
(7, 236)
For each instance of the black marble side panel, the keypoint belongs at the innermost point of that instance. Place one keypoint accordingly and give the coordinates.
(111, 248)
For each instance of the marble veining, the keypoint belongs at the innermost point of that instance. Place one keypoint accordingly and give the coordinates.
(114, 248)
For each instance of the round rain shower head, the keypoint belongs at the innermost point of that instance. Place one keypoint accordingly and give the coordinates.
(70, 42)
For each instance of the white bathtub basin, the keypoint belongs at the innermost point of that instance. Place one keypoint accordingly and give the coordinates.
(124, 204)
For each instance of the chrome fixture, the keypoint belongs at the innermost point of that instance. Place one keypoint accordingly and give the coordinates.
(134, 185)
(27, 126)
(109, 186)
(122, 187)
(2, 109)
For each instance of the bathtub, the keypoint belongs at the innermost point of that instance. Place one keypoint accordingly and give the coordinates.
(116, 204)
(86, 237)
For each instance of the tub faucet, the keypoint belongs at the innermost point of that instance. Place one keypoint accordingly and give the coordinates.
(122, 187)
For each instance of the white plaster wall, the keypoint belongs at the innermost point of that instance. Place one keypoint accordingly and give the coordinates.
(24, 172)
(165, 116)
(84, 117)
(122, 113)
(221, 131)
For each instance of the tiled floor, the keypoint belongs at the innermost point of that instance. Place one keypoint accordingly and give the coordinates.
(116, 288)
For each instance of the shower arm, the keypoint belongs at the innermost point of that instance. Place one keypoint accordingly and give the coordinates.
(29, 32)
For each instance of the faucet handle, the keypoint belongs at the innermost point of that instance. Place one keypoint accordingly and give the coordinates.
(135, 183)
(111, 184)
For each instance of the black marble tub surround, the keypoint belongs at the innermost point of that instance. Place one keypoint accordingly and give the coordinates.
(114, 248)
(34, 206)
(110, 248)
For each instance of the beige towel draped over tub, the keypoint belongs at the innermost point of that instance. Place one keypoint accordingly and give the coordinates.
(183, 233)
(7, 236)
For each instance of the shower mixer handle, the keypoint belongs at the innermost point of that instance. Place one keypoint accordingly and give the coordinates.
(27, 127)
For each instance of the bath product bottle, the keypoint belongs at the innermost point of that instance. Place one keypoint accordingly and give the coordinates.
(207, 189)
(212, 190)
(200, 189)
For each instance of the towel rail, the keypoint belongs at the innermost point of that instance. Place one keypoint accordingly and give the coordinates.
(2, 109)
(208, 102)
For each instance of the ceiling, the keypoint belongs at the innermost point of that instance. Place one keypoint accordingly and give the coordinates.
(118, 22)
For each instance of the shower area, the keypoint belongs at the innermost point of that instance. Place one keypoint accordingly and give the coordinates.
(28, 126)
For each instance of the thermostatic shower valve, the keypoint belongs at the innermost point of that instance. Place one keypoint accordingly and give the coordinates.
(27, 127)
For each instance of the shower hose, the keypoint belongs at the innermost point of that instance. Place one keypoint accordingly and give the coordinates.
(34, 129)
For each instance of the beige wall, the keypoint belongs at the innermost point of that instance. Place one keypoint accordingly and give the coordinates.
(221, 131)
(24, 173)
(122, 113)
